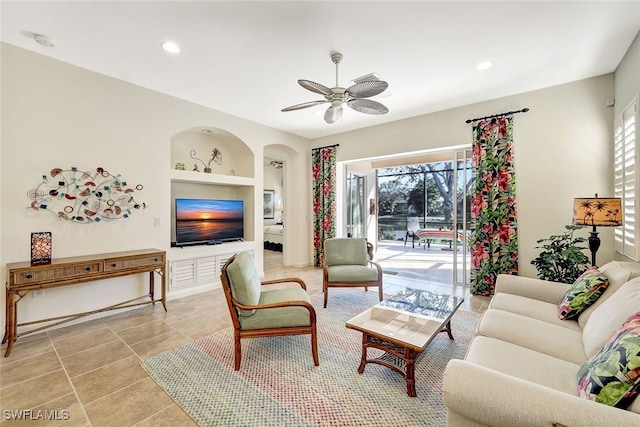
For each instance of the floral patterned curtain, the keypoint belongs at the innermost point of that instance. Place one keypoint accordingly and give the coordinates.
(494, 241)
(323, 165)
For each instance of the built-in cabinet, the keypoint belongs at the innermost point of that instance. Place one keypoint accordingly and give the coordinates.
(196, 270)
(195, 267)
(193, 271)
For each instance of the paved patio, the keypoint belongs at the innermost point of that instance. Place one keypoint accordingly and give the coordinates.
(424, 268)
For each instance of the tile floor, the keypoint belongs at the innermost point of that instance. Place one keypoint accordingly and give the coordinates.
(89, 374)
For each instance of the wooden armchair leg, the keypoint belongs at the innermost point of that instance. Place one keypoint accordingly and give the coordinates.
(314, 348)
(238, 353)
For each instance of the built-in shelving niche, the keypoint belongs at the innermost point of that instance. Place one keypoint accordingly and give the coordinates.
(234, 178)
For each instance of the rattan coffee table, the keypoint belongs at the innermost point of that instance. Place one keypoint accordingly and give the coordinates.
(402, 326)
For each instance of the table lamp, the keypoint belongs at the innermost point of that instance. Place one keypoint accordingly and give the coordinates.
(597, 212)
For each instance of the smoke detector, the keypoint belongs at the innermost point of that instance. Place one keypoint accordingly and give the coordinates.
(43, 40)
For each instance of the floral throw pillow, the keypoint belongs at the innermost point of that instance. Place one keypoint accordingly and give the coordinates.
(585, 291)
(612, 376)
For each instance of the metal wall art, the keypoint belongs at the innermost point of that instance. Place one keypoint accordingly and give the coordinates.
(84, 197)
(216, 156)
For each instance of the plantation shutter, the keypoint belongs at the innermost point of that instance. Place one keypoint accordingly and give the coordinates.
(626, 180)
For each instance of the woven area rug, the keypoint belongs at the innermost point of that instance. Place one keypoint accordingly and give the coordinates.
(278, 385)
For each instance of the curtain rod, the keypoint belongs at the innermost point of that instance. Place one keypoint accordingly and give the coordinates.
(326, 146)
(524, 110)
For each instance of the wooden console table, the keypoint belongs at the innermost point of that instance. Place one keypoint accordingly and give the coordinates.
(24, 278)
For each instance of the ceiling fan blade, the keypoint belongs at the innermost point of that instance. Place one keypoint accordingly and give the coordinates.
(315, 87)
(333, 114)
(304, 105)
(367, 89)
(367, 106)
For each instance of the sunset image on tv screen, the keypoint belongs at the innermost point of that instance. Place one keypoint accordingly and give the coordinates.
(206, 220)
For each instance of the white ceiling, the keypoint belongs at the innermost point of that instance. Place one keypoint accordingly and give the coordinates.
(244, 58)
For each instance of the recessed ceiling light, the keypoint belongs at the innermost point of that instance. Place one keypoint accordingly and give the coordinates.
(484, 65)
(170, 47)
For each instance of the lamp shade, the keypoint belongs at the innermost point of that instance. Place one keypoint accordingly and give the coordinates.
(597, 212)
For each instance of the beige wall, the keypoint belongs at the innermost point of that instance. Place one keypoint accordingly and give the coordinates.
(563, 149)
(58, 115)
(627, 80)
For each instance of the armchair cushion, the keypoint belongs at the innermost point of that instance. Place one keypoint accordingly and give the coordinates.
(351, 273)
(346, 251)
(244, 281)
(280, 317)
(612, 376)
(585, 291)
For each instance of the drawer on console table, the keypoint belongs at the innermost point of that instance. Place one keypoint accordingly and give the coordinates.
(46, 274)
(123, 264)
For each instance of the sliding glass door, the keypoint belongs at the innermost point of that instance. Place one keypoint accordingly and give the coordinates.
(355, 193)
(463, 179)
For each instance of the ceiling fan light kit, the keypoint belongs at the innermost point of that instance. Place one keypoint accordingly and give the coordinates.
(354, 96)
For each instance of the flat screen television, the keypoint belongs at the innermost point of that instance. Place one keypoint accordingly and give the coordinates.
(208, 221)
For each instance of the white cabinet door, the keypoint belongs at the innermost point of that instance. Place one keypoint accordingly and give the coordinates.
(197, 271)
(206, 271)
(183, 273)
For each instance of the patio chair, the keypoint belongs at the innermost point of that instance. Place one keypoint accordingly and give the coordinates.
(257, 311)
(347, 264)
(413, 225)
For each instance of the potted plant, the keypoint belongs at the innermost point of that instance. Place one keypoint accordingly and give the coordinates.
(562, 258)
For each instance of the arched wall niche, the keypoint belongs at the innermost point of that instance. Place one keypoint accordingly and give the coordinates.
(237, 157)
(232, 178)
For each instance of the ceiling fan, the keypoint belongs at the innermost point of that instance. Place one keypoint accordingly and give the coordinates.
(354, 96)
(275, 163)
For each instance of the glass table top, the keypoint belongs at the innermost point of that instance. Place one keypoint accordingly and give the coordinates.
(411, 317)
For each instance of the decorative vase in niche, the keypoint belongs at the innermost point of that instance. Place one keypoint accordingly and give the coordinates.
(207, 170)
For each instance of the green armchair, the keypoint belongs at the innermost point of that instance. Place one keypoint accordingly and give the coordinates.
(257, 311)
(346, 263)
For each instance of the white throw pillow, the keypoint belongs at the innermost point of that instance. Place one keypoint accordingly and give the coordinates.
(609, 315)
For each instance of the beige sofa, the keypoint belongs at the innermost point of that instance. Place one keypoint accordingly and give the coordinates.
(521, 367)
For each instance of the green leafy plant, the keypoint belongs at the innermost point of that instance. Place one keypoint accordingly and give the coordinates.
(562, 258)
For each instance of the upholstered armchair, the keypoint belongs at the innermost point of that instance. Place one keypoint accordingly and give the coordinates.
(257, 311)
(346, 263)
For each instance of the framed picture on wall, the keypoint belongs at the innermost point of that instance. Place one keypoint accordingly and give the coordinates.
(268, 204)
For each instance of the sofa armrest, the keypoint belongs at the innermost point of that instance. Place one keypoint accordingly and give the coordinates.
(542, 290)
(489, 397)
